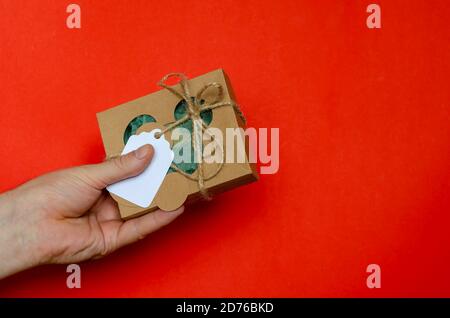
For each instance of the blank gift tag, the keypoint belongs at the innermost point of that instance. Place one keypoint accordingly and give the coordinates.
(141, 189)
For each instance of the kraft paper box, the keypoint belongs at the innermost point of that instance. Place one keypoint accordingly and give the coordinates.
(160, 109)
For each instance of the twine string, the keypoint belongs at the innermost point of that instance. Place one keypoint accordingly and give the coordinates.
(195, 106)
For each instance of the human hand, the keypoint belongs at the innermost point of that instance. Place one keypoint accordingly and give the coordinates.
(67, 216)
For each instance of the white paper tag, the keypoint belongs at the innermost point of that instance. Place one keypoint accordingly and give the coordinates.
(141, 190)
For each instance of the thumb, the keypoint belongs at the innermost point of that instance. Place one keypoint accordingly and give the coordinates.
(119, 168)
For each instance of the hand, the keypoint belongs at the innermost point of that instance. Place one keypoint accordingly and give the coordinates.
(67, 216)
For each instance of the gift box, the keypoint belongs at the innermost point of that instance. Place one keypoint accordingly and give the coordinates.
(208, 100)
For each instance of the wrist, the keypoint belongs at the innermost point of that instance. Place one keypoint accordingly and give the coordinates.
(15, 248)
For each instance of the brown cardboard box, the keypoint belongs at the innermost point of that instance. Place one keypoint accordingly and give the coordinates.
(176, 188)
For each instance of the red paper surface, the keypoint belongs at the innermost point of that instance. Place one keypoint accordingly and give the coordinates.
(364, 152)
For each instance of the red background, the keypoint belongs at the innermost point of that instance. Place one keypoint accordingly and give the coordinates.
(364, 151)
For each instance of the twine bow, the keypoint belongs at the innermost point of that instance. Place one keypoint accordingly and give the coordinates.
(195, 106)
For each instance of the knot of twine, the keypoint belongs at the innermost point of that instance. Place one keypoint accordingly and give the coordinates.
(195, 106)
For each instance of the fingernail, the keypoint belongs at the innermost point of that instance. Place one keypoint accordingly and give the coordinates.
(143, 152)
